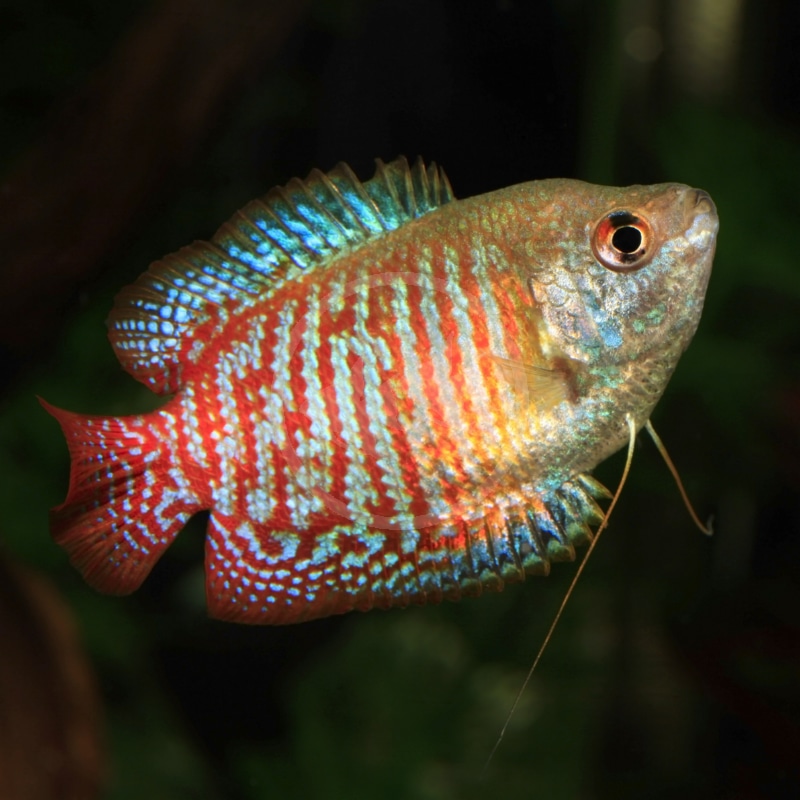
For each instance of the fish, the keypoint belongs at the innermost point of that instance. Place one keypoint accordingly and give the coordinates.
(384, 395)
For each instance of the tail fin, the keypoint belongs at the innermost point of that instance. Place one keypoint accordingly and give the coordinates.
(127, 500)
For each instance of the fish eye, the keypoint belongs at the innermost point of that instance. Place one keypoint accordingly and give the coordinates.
(623, 241)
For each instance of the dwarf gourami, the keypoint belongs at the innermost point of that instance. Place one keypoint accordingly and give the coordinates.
(385, 395)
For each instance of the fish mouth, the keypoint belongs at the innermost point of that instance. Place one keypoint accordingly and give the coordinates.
(700, 216)
(703, 204)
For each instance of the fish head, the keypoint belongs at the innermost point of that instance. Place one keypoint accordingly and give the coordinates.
(620, 274)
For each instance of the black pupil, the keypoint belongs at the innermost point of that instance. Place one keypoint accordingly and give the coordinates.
(627, 239)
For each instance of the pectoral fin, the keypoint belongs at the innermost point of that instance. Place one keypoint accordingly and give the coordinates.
(540, 387)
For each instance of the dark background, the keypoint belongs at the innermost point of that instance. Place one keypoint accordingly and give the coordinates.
(129, 129)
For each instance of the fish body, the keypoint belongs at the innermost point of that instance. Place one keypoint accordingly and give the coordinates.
(383, 395)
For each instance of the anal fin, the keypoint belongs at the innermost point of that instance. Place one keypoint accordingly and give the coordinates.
(258, 575)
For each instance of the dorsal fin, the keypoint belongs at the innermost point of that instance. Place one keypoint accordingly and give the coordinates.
(153, 323)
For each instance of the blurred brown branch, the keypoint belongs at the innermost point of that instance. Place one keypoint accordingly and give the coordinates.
(77, 193)
(51, 744)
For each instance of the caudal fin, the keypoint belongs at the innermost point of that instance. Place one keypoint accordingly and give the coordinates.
(126, 500)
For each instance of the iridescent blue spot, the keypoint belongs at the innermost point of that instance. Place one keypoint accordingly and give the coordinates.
(374, 541)
(289, 543)
(610, 332)
(326, 547)
(352, 559)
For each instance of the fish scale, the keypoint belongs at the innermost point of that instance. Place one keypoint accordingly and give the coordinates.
(384, 396)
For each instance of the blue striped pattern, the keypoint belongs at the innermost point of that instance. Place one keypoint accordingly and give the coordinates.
(153, 326)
